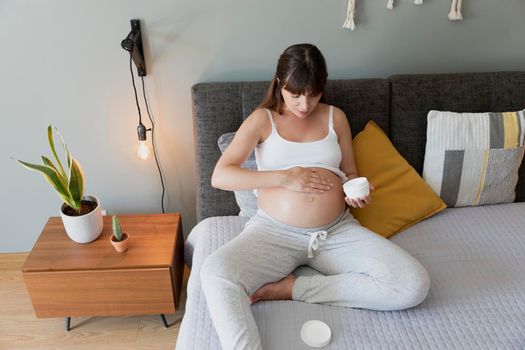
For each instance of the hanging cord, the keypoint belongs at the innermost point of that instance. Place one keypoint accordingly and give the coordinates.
(154, 145)
(134, 87)
(152, 127)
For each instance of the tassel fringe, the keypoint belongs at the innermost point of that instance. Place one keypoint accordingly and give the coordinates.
(349, 23)
(390, 4)
(418, 2)
(455, 11)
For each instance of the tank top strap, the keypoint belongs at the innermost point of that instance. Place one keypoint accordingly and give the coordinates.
(331, 118)
(271, 119)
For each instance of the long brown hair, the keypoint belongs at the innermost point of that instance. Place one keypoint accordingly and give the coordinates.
(301, 69)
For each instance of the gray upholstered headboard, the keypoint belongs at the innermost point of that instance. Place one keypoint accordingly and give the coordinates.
(399, 105)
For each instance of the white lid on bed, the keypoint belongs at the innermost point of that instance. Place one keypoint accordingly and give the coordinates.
(316, 333)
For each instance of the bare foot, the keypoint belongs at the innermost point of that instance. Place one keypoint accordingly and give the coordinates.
(280, 290)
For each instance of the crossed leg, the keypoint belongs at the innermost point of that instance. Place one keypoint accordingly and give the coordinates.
(358, 269)
(363, 270)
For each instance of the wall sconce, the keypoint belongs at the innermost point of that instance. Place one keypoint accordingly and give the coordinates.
(133, 44)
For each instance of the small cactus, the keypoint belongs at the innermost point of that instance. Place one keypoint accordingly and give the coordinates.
(117, 230)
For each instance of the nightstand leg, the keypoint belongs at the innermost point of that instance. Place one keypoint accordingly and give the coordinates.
(164, 320)
(68, 324)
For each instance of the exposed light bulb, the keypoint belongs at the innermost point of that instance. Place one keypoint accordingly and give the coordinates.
(143, 150)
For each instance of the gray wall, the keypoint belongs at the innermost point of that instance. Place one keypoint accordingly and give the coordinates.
(62, 63)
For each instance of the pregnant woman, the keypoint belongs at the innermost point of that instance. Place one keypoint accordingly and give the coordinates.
(304, 153)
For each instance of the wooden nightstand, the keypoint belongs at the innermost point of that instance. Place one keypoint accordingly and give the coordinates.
(66, 279)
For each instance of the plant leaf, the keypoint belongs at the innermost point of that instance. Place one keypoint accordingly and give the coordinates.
(68, 155)
(76, 181)
(52, 146)
(117, 230)
(53, 177)
(65, 148)
(48, 162)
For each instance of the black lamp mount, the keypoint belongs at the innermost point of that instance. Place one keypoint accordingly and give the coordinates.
(133, 44)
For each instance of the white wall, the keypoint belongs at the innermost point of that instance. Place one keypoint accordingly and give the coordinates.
(62, 63)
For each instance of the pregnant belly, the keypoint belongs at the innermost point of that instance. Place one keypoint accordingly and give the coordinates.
(304, 209)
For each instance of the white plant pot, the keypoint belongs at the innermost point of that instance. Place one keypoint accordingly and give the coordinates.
(84, 228)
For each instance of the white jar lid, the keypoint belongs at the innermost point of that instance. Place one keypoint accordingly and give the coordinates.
(316, 333)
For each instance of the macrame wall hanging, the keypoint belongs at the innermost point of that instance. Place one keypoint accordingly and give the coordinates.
(454, 14)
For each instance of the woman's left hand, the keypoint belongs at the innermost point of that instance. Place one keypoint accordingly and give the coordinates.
(360, 202)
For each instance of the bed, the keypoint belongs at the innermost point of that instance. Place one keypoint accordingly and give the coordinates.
(475, 255)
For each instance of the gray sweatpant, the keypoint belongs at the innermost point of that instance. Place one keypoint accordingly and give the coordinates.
(361, 270)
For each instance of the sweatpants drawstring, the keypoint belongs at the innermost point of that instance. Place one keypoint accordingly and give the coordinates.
(314, 241)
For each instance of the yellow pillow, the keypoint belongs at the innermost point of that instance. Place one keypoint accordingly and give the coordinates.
(401, 197)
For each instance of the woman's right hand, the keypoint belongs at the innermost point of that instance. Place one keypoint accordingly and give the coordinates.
(299, 179)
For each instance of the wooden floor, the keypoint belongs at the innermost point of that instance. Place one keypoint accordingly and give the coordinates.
(20, 329)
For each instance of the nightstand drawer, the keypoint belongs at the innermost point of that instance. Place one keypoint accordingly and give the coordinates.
(101, 292)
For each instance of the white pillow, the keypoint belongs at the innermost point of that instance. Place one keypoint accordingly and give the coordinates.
(473, 158)
(246, 200)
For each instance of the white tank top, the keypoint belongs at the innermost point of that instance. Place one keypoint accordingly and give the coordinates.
(277, 153)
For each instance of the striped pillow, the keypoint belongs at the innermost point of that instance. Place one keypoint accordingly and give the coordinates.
(473, 158)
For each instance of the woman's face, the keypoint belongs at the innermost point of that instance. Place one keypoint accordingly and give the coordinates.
(300, 105)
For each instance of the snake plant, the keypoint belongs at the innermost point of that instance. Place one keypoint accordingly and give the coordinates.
(68, 184)
(117, 230)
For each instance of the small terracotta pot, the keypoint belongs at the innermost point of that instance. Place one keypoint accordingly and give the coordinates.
(120, 246)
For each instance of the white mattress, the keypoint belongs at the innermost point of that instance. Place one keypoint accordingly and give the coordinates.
(476, 261)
